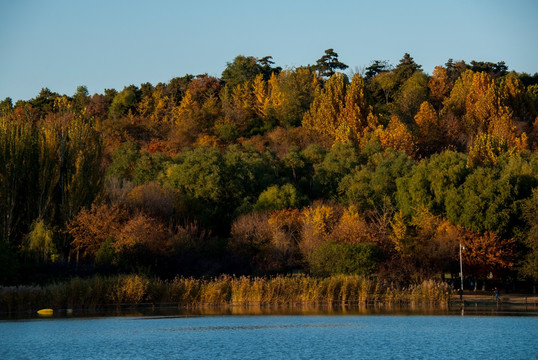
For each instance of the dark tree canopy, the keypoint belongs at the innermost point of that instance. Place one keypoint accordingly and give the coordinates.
(266, 67)
(377, 67)
(243, 68)
(494, 69)
(329, 63)
(406, 68)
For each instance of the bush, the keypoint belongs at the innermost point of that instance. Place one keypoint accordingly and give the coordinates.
(280, 197)
(336, 258)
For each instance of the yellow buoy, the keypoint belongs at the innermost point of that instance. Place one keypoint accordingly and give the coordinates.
(45, 312)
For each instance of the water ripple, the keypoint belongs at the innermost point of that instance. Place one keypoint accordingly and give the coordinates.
(254, 327)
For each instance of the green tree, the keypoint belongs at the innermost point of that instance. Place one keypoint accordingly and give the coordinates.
(124, 102)
(200, 176)
(377, 67)
(341, 258)
(297, 89)
(412, 93)
(329, 63)
(387, 83)
(428, 184)
(455, 103)
(338, 162)
(44, 103)
(81, 99)
(266, 67)
(374, 184)
(295, 162)
(177, 87)
(494, 69)
(280, 198)
(491, 198)
(530, 263)
(147, 167)
(6, 106)
(124, 158)
(242, 69)
(455, 69)
(48, 175)
(247, 174)
(486, 150)
(405, 68)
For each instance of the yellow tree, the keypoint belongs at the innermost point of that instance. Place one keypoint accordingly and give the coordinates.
(356, 110)
(185, 127)
(456, 102)
(154, 108)
(436, 239)
(398, 137)
(503, 126)
(428, 128)
(481, 104)
(274, 96)
(318, 222)
(487, 149)
(352, 228)
(260, 96)
(286, 227)
(400, 235)
(40, 242)
(186, 108)
(325, 109)
(160, 107)
(341, 112)
(241, 105)
(439, 85)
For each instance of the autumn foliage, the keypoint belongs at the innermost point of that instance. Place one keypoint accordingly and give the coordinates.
(266, 171)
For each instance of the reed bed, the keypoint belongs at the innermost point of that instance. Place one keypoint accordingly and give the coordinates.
(99, 291)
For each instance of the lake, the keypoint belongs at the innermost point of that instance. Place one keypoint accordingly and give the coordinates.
(315, 336)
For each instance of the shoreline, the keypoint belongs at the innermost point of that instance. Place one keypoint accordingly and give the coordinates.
(340, 292)
(451, 308)
(487, 299)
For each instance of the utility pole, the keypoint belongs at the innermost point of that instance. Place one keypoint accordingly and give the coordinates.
(461, 267)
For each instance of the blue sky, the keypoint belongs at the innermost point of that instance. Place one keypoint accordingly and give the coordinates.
(110, 44)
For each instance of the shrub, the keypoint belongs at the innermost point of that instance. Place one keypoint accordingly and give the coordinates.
(280, 197)
(341, 258)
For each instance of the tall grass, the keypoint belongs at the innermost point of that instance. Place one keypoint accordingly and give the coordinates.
(118, 290)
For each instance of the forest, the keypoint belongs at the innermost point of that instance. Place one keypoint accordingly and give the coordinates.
(313, 170)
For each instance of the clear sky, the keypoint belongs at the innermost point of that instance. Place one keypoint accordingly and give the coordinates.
(61, 44)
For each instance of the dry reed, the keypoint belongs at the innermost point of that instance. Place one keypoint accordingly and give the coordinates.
(99, 291)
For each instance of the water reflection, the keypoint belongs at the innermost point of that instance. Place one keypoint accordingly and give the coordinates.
(464, 309)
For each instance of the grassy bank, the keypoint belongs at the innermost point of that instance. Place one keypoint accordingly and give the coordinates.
(99, 291)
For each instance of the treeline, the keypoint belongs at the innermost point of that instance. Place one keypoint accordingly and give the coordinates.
(268, 171)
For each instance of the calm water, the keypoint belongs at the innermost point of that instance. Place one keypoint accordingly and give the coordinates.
(272, 337)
